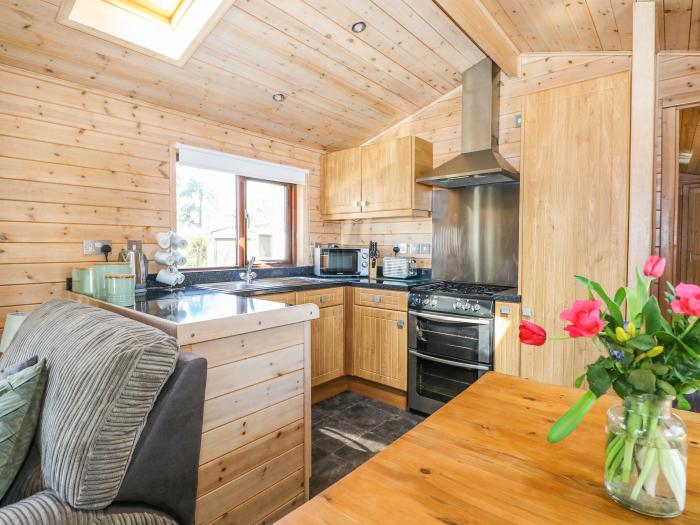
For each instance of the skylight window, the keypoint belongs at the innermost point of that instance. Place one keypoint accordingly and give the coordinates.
(168, 29)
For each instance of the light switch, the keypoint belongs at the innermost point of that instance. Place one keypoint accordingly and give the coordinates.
(93, 247)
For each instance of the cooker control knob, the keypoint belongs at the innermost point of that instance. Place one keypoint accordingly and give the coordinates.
(434, 301)
(456, 305)
(364, 264)
(476, 307)
(364, 255)
(426, 301)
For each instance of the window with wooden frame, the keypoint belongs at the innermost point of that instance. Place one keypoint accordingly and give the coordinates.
(229, 218)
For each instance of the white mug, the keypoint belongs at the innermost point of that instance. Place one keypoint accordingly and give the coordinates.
(180, 260)
(170, 276)
(165, 258)
(163, 239)
(177, 241)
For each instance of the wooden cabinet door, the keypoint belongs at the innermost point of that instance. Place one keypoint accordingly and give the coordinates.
(328, 345)
(387, 175)
(284, 297)
(506, 344)
(574, 184)
(381, 346)
(341, 182)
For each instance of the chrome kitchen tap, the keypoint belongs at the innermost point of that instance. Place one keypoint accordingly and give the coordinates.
(249, 275)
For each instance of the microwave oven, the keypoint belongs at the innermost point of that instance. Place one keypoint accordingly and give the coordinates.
(343, 262)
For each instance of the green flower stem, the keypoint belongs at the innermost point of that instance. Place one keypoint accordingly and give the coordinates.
(634, 422)
(649, 460)
(613, 451)
(688, 329)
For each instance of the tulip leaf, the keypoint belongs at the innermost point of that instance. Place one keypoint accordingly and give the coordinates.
(620, 296)
(666, 387)
(622, 388)
(579, 380)
(658, 368)
(655, 322)
(642, 379)
(683, 403)
(599, 381)
(642, 342)
(611, 305)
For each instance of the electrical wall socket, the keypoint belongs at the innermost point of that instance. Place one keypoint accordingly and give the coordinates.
(94, 247)
(403, 247)
(425, 248)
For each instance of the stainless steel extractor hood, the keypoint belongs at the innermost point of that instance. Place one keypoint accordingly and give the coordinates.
(478, 163)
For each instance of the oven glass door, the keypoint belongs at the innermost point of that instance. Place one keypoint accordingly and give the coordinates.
(339, 261)
(440, 380)
(451, 337)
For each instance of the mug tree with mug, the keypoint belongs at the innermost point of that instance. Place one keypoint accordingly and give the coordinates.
(170, 241)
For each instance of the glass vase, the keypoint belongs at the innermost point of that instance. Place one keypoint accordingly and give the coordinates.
(646, 456)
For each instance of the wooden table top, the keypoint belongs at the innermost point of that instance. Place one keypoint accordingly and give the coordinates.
(484, 458)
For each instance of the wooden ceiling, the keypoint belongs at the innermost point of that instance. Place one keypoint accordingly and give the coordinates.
(689, 140)
(341, 88)
(591, 25)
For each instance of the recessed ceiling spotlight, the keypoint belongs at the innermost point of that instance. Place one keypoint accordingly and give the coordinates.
(278, 97)
(358, 27)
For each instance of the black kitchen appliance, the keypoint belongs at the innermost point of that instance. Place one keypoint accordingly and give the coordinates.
(450, 340)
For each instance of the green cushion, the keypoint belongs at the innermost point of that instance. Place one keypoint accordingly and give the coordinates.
(20, 405)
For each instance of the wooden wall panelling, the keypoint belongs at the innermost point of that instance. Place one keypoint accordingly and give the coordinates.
(440, 124)
(78, 164)
(591, 119)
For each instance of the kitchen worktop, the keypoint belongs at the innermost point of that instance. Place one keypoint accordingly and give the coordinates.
(484, 458)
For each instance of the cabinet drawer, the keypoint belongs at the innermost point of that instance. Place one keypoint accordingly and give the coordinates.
(388, 299)
(321, 298)
(286, 297)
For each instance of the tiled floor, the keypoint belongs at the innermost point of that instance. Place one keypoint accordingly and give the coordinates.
(347, 430)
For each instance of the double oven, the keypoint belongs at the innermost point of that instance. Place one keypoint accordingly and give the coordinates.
(446, 353)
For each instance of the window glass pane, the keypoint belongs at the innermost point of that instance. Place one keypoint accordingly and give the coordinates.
(267, 220)
(206, 216)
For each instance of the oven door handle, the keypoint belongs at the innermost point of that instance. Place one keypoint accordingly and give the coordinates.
(456, 320)
(448, 362)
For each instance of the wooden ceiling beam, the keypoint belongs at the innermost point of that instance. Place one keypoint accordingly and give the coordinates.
(478, 24)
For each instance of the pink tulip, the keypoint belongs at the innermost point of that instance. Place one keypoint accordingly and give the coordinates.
(655, 266)
(584, 317)
(688, 300)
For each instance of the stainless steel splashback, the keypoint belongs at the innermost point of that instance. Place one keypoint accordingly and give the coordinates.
(475, 234)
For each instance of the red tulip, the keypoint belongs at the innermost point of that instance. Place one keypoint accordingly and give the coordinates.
(532, 334)
(688, 300)
(655, 266)
(584, 317)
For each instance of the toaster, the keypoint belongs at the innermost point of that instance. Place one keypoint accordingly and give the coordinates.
(399, 267)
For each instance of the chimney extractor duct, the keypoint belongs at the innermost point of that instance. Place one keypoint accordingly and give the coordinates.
(478, 163)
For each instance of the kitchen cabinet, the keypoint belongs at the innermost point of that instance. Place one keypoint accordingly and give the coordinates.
(380, 339)
(327, 334)
(574, 184)
(377, 180)
(341, 188)
(506, 358)
(285, 297)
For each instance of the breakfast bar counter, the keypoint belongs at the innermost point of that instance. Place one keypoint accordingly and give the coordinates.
(484, 458)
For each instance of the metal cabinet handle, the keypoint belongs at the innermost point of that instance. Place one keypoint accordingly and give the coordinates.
(377, 299)
(356, 203)
(527, 312)
(505, 310)
(400, 323)
(447, 362)
(324, 299)
(364, 203)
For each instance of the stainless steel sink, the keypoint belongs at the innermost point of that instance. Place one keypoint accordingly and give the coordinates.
(270, 285)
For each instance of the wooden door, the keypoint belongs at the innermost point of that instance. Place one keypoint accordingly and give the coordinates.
(387, 176)
(341, 182)
(574, 208)
(690, 234)
(506, 345)
(328, 345)
(380, 350)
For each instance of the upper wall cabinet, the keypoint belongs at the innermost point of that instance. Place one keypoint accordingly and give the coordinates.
(378, 180)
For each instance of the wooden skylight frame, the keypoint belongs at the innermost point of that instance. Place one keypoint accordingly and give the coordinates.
(170, 31)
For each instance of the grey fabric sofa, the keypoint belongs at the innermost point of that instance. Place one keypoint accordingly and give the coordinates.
(119, 434)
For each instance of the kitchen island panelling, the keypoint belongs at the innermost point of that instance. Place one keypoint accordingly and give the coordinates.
(255, 458)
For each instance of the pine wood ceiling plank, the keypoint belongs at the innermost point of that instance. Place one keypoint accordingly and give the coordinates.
(554, 11)
(677, 16)
(338, 56)
(434, 16)
(345, 38)
(412, 24)
(387, 36)
(605, 24)
(511, 30)
(533, 25)
(581, 17)
(694, 40)
(478, 24)
(246, 38)
(622, 9)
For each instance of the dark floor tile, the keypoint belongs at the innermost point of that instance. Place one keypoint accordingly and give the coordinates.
(327, 471)
(334, 404)
(392, 430)
(354, 454)
(365, 415)
(332, 433)
(317, 453)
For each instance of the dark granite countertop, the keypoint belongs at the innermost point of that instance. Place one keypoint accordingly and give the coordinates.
(509, 296)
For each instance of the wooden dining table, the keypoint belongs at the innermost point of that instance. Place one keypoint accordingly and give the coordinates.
(484, 458)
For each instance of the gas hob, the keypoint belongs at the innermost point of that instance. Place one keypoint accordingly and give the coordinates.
(472, 299)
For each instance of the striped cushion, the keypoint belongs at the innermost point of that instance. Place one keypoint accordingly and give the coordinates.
(105, 372)
(45, 508)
